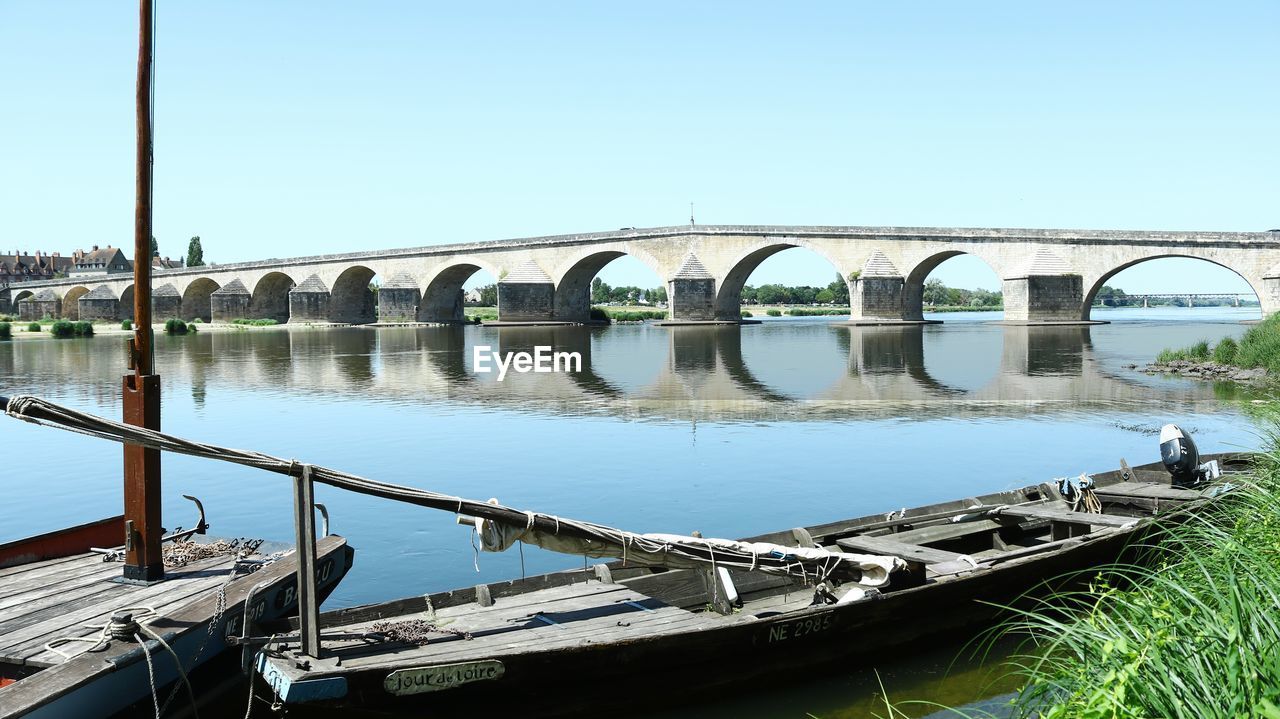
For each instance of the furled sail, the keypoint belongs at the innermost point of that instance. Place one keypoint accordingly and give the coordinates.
(682, 552)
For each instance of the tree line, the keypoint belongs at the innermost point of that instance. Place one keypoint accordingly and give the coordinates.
(937, 294)
(602, 293)
(836, 293)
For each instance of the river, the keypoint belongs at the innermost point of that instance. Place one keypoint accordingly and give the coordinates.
(730, 431)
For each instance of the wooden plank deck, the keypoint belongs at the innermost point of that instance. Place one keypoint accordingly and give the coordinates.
(57, 598)
(555, 618)
(1057, 514)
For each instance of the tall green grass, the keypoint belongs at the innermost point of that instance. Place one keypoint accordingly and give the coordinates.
(1195, 635)
(1260, 347)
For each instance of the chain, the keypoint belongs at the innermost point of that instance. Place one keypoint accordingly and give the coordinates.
(414, 631)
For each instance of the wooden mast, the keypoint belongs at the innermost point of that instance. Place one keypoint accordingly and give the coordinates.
(141, 390)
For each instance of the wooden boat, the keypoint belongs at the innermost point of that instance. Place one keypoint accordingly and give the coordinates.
(565, 641)
(57, 595)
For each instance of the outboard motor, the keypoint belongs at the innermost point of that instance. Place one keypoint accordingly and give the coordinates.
(1180, 457)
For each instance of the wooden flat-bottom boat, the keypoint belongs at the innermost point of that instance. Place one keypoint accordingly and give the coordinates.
(56, 597)
(558, 642)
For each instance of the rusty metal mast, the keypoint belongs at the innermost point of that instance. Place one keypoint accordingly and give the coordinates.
(141, 386)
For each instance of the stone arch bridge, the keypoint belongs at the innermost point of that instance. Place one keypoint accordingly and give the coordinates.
(1048, 275)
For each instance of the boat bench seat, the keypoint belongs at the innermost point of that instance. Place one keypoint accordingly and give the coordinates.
(912, 553)
(920, 560)
(1066, 523)
(943, 532)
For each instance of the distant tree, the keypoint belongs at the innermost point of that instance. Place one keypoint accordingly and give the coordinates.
(600, 290)
(825, 296)
(770, 294)
(749, 295)
(658, 294)
(935, 293)
(1112, 296)
(195, 253)
(155, 247)
(839, 291)
(488, 295)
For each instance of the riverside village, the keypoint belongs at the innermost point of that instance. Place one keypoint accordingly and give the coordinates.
(830, 361)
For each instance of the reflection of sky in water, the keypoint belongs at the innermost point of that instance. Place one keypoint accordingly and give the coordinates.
(729, 431)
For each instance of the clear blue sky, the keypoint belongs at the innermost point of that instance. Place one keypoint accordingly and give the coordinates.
(288, 128)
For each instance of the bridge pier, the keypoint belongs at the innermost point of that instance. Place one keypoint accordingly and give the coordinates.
(6, 301)
(309, 301)
(42, 304)
(526, 294)
(229, 302)
(165, 303)
(691, 294)
(880, 300)
(399, 298)
(100, 304)
(880, 295)
(1044, 298)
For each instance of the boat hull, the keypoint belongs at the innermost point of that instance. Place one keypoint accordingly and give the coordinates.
(577, 679)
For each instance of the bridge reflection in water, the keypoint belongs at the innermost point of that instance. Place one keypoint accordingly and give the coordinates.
(792, 370)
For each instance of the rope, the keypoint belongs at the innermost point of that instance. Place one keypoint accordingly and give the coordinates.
(40, 412)
(177, 661)
(151, 674)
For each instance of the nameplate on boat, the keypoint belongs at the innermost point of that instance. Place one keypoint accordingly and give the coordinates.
(444, 676)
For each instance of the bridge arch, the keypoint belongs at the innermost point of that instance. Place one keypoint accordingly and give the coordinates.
(195, 299)
(71, 302)
(728, 302)
(126, 304)
(1092, 292)
(351, 301)
(913, 287)
(442, 293)
(24, 294)
(270, 299)
(572, 301)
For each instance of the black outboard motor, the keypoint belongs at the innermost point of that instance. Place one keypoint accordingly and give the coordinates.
(1180, 457)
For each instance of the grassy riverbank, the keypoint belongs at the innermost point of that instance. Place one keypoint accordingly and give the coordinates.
(1259, 348)
(1194, 635)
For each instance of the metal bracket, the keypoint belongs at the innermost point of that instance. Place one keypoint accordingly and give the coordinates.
(324, 519)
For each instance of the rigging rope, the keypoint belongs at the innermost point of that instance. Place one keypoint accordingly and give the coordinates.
(41, 412)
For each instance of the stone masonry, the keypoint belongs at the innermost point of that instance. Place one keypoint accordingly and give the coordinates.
(1048, 275)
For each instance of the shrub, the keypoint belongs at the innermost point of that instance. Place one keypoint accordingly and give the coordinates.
(83, 328)
(746, 313)
(774, 313)
(598, 313)
(192, 328)
(1199, 350)
(33, 327)
(6, 330)
(1225, 352)
(198, 320)
(126, 325)
(175, 326)
(254, 323)
(62, 329)
(6, 318)
(815, 311)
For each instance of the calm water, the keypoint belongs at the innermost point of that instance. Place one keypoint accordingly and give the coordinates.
(731, 431)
